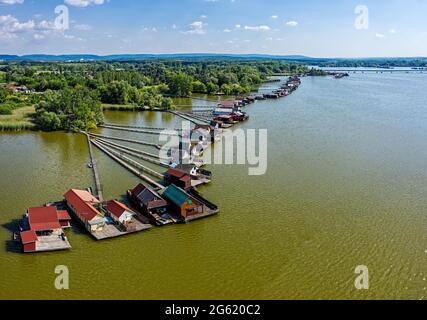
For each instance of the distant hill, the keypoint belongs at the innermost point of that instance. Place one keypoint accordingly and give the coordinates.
(323, 62)
(121, 57)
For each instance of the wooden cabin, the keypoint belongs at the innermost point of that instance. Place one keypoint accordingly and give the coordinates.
(147, 201)
(230, 104)
(179, 178)
(44, 229)
(64, 219)
(182, 203)
(28, 241)
(85, 207)
(120, 213)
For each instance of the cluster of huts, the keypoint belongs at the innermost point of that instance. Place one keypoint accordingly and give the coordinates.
(42, 228)
(286, 89)
(229, 112)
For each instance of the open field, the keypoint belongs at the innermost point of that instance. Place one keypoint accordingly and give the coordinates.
(19, 120)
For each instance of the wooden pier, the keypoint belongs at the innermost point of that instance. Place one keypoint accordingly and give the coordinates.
(141, 127)
(188, 118)
(95, 171)
(120, 128)
(129, 167)
(144, 143)
(132, 153)
(111, 231)
(148, 154)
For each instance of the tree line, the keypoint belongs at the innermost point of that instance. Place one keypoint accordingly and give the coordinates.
(71, 94)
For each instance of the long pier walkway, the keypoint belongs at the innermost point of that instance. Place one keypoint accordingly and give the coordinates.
(131, 153)
(140, 127)
(189, 118)
(120, 128)
(120, 159)
(95, 171)
(144, 143)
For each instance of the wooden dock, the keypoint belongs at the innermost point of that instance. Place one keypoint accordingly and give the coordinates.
(131, 168)
(111, 231)
(95, 171)
(140, 152)
(140, 127)
(144, 143)
(165, 132)
(189, 118)
(52, 243)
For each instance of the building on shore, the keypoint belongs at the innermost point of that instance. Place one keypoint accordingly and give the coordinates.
(86, 209)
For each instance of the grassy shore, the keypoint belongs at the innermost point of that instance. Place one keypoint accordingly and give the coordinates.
(19, 120)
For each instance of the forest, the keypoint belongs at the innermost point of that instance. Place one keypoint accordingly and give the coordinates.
(71, 95)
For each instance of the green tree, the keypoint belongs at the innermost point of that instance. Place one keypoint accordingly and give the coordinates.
(48, 121)
(199, 87)
(78, 108)
(179, 84)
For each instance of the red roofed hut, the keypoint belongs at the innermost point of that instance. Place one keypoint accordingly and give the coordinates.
(85, 207)
(178, 178)
(120, 212)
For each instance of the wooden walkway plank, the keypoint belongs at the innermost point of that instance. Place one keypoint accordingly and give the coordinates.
(134, 154)
(129, 167)
(144, 143)
(95, 170)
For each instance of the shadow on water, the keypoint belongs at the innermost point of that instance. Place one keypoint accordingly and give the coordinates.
(12, 245)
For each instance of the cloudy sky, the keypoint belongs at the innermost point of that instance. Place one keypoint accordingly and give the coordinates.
(319, 28)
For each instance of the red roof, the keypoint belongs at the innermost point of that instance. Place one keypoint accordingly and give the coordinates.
(43, 218)
(176, 173)
(185, 178)
(227, 103)
(28, 237)
(82, 202)
(117, 208)
(63, 215)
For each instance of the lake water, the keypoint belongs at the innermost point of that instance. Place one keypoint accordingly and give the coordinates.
(346, 185)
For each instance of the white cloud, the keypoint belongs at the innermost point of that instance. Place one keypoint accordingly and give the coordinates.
(227, 30)
(238, 26)
(11, 1)
(274, 17)
(82, 27)
(392, 31)
(197, 27)
(83, 3)
(292, 23)
(11, 26)
(379, 35)
(257, 28)
(39, 36)
(153, 29)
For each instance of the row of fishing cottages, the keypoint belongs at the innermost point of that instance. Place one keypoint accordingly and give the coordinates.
(285, 89)
(43, 228)
(229, 112)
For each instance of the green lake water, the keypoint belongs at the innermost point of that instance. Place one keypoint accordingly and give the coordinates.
(346, 185)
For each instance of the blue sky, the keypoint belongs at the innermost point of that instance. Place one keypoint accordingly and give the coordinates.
(319, 28)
